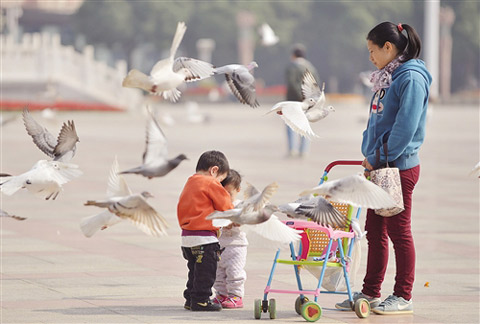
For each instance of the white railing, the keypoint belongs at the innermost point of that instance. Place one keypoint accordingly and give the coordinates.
(41, 58)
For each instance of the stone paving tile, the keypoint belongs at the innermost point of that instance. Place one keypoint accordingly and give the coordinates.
(50, 273)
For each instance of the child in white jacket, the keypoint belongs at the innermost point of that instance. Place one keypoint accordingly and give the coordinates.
(231, 275)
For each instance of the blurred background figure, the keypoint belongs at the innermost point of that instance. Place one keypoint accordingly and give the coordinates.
(297, 145)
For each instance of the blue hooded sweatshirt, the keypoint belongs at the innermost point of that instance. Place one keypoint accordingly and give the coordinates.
(397, 117)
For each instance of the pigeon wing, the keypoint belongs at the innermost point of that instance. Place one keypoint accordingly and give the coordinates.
(197, 70)
(117, 186)
(156, 150)
(272, 233)
(137, 210)
(260, 200)
(243, 91)
(66, 140)
(355, 190)
(294, 117)
(310, 88)
(322, 212)
(44, 140)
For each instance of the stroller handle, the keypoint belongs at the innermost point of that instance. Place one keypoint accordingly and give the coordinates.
(342, 162)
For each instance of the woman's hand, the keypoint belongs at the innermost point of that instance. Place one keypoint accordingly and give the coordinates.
(368, 167)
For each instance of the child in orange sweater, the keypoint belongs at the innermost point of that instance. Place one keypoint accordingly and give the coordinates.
(202, 195)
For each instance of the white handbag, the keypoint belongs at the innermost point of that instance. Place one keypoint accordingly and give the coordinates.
(389, 180)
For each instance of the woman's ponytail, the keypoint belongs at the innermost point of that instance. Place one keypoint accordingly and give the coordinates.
(414, 44)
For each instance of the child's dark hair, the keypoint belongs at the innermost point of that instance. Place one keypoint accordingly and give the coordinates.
(213, 158)
(408, 46)
(234, 178)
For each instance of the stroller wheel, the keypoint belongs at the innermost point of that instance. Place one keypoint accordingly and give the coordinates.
(257, 311)
(272, 308)
(311, 311)
(299, 302)
(362, 308)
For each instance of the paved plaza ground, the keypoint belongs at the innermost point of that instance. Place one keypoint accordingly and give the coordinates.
(51, 273)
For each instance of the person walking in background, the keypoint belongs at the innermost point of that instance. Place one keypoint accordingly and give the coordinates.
(297, 145)
(397, 118)
(202, 195)
(231, 275)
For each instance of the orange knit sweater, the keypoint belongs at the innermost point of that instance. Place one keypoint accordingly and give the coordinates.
(200, 197)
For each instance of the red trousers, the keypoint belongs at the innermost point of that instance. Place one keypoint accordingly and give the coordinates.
(398, 229)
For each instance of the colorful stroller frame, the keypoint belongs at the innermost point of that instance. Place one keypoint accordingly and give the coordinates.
(319, 243)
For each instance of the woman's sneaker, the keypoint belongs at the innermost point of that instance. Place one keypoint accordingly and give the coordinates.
(232, 302)
(346, 306)
(207, 306)
(394, 305)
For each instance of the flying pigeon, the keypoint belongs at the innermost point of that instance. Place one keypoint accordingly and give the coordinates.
(355, 190)
(122, 204)
(241, 82)
(61, 149)
(167, 74)
(253, 210)
(256, 215)
(155, 157)
(5, 214)
(293, 114)
(268, 37)
(45, 179)
(310, 89)
(316, 208)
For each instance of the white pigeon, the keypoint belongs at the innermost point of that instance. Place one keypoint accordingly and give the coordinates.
(122, 204)
(155, 156)
(44, 179)
(268, 37)
(316, 208)
(5, 214)
(293, 114)
(310, 89)
(168, 74)
(61, 149)
(241, 82)
(355, 190)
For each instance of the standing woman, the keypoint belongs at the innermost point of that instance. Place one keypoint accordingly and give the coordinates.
(397, 118)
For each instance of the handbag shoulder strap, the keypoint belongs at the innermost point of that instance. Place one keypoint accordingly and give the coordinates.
(377, 154)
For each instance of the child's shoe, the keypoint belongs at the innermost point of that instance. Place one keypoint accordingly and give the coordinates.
(232, 302)
(206, 306)
(219, 299)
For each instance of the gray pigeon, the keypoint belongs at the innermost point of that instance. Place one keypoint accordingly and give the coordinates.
(61, 149)
(310, 89)
(5, 214)
(241, 82)
(123, 204)
(355, 190)
(155, 160)
(253, 210)
(316, 208)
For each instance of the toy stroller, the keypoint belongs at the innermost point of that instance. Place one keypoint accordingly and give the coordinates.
(320, 247)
